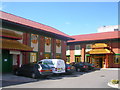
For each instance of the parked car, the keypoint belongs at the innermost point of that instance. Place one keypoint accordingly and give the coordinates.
(90, 66)
(81, 67)
(57, 65)
(69, 69)
(34, 70)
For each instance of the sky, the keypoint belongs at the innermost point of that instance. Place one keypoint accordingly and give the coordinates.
(72, 18)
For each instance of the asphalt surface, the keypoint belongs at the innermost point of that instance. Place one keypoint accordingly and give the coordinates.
(93, 79)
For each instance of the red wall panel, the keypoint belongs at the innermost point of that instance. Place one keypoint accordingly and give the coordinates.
(72, 57)
(42, 47)
(53, 48)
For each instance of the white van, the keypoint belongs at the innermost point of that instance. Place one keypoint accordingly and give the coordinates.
(57, 65)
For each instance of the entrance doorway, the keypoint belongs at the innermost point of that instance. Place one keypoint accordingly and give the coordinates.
(6, 61)
(99, 61)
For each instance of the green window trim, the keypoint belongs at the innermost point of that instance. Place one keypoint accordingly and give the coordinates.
(87, 54)
(117, 54)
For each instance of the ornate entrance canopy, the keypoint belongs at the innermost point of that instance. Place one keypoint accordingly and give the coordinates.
(100, 51)
(100, 45)
(100, 48)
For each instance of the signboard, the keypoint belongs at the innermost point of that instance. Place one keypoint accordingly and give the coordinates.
(14, 52)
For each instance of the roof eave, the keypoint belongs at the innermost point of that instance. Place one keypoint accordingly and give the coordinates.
(36, 30)
(99, 40)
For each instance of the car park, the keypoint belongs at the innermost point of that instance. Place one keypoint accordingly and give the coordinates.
(34, 70)
(57, 65)
(69, 69)
(81, 67)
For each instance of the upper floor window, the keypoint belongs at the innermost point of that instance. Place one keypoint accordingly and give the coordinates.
(68, 48)
(88, 46)
(58, 42)
(77, 47)
(47, 41)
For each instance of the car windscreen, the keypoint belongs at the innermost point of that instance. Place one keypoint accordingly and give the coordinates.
(44, 66)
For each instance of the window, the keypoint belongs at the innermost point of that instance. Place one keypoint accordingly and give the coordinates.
(58, 46)
(58, 56)
(68, 48)
(117, 59)
(48, 62)
(34, 42)
(77, 47)
(88, 59)
(45, 66)
(77, 58)
(33, 57)
(88, 46)
(47, 56)
(58, 43)
(47, 41)
(68, 59)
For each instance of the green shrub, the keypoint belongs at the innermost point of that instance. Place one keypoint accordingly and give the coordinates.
(115, 81)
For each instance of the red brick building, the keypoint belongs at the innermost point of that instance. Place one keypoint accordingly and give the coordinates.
(24, 41)
(101, 49)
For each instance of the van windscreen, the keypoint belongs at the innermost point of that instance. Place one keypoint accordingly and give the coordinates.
(48, 62)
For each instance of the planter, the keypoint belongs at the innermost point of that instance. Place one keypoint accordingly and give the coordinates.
(113, 85)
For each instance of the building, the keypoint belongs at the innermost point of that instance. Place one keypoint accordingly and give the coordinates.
(109, 28)
(24, 41)
(101, 49)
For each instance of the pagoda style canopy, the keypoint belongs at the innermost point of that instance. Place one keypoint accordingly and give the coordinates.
(100, 48)
(10, 34)
(14, 45)
(100, 45)
(9, 41)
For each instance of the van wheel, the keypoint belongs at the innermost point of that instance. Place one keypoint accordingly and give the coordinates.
(78, 70)
(33, 75)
